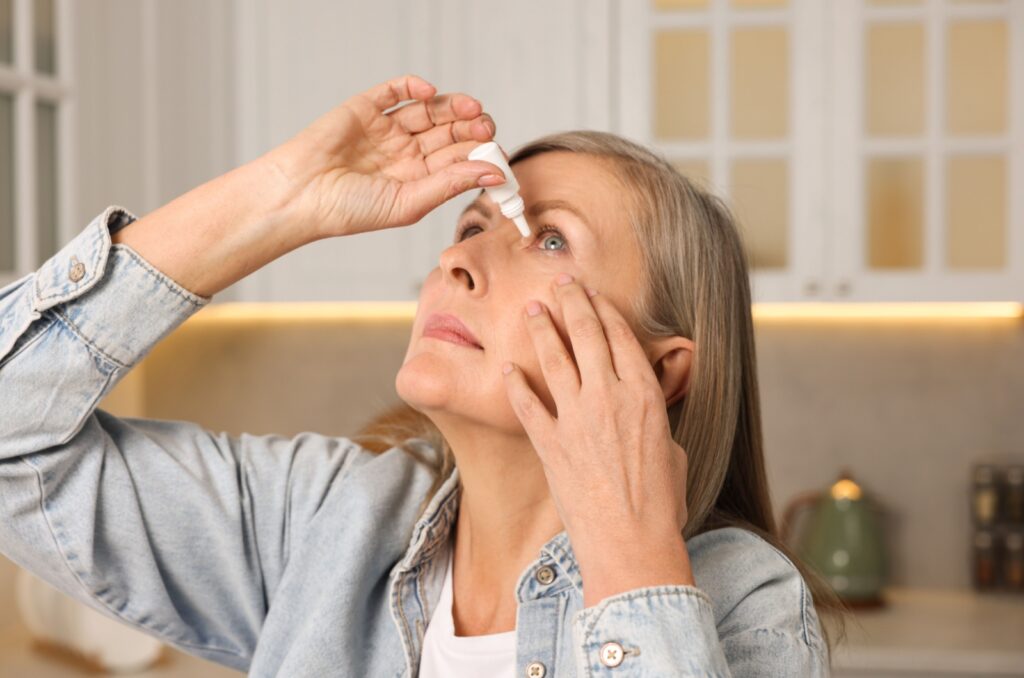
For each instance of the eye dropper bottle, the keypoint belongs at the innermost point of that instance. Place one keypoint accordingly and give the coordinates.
(507, 194)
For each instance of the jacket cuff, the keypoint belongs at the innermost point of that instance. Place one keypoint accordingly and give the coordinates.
(116, 300)
(655, 630)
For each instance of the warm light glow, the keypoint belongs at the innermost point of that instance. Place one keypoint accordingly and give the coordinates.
(893, 311)
(846, 489)
(406, 310)
(309, 310)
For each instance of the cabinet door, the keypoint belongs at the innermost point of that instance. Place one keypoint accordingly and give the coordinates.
(538, 67)
(731, 91)
(929, 139)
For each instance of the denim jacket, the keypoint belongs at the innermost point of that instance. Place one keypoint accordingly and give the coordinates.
(306, 556)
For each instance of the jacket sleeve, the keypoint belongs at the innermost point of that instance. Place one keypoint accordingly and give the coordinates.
(671, 631)
(177, 531)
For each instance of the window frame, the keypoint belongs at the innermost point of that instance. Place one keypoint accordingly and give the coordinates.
(28, 87)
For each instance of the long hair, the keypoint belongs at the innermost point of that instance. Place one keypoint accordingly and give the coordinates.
(695, 284)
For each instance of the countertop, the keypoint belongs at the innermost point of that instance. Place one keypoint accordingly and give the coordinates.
(936, 633)
(920, 633)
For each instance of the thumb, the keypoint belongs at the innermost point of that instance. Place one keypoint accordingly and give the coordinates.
(417, 198)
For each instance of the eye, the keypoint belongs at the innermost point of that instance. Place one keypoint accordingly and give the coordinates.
(546, 235)
(461, 231)
(549, 234)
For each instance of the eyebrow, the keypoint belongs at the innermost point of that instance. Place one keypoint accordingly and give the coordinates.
(535, 209)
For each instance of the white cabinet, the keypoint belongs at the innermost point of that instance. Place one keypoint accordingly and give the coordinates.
(873, 150)
(537, 66)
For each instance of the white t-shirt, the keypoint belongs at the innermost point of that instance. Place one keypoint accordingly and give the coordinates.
(446, 655)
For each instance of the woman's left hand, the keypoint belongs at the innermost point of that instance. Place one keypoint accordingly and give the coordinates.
(617, 477)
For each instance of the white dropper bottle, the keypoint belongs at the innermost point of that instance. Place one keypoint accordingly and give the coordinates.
(507, 194)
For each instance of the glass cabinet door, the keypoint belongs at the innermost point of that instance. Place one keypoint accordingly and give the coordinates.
(730, 102)
(930, 214)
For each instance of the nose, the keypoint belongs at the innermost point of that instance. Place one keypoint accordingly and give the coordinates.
(459, 269)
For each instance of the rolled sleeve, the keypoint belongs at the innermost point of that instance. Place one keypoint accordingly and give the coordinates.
(112, 305)
(651, 631)
(122, 304)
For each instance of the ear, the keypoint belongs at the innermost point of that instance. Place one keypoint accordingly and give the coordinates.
(671, 359)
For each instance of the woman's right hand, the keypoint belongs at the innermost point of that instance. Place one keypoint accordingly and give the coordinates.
(358, 168)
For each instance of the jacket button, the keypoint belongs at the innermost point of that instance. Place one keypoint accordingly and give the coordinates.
(611, 654)
(77, 271)
(545, 575)
(535, 670)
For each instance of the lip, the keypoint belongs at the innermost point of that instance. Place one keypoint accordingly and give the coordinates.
(448, 327)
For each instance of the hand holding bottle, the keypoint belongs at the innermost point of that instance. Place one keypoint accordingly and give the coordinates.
(361, 167)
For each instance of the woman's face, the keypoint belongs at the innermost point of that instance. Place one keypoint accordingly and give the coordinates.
(579, 226)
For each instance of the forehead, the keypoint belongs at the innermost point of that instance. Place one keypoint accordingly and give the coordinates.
(587, 183)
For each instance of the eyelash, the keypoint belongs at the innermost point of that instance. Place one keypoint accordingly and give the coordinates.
(543, 231)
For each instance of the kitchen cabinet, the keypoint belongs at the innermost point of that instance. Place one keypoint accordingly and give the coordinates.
(873, 150)
(537, 66)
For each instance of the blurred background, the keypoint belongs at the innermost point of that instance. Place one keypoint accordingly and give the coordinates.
(873, 150)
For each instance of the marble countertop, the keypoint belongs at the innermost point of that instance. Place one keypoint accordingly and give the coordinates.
(937, 632)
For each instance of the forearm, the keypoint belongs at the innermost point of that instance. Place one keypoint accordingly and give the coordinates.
(220, 232)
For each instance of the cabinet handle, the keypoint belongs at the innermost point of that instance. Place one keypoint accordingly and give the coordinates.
(843, 288)
(811, 288)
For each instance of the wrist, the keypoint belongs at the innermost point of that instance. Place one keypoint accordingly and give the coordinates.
(618, 567)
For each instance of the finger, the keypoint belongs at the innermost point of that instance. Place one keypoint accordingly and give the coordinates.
(627, 353)
(439, 110)
(451, 154)
(558, 367)
(530, 409)
(392, 92)
(479, 129)
(416, 198)
(586, 333)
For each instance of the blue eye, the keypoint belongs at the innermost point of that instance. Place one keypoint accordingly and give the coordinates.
(551, 233)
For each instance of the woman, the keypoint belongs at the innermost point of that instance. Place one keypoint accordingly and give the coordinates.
(608, 515)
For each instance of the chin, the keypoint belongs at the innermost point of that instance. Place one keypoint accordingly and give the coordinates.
(426, 383)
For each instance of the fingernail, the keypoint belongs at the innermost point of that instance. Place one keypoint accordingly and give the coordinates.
(533, 308)
(591, 291)
(506, 368)
(491, 180)
(563, 278)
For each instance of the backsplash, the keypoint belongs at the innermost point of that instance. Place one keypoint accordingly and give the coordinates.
(907, 406)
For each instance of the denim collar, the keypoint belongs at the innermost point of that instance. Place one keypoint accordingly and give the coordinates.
(433, 531)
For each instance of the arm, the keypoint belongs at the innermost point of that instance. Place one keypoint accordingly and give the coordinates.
(174, 530)
(178, 531)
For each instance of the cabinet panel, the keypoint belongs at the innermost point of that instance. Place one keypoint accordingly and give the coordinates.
(894, 79)
(760, 196)
(976, 202)
(759, 83)
(895, 213)
(682, 108)
(977, 83)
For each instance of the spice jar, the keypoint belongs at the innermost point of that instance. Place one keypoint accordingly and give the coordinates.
(1013, 560)
(1013, 511)
(985, 498)
(984, 559)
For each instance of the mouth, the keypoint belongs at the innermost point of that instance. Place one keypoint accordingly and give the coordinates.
(447, 327)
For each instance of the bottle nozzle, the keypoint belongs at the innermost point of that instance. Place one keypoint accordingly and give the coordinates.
(520, 222)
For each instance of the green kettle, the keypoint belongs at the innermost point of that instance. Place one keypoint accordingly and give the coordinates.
(843, 539)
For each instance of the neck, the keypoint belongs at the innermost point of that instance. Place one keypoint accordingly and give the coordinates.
(506, 514)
